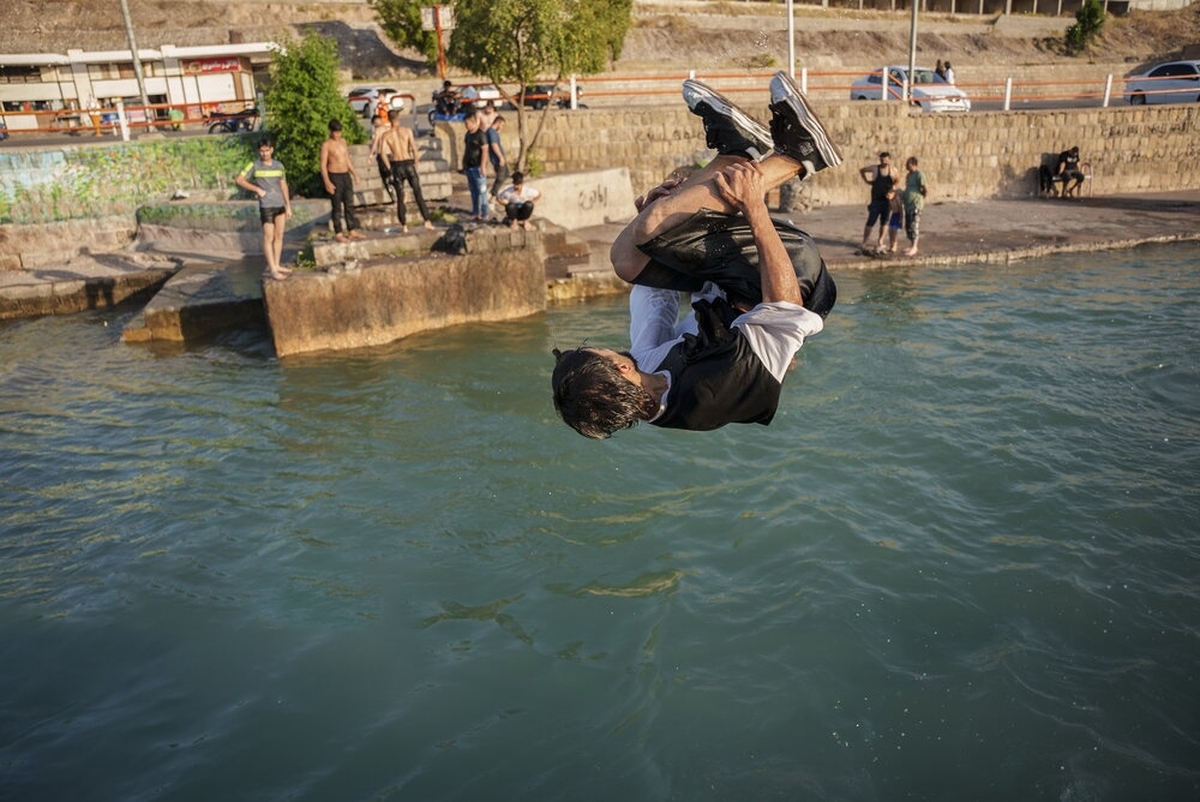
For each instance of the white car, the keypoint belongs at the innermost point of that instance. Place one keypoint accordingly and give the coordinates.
(363, 99)
(480, 94)
(1172, 82)
(929, 90)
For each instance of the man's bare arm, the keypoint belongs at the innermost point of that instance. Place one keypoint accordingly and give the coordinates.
(743, 186)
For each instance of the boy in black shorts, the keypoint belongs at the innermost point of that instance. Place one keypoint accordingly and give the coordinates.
(265, 178)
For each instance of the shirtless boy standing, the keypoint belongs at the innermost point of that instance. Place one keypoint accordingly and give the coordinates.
(398, 149)
(339, 176)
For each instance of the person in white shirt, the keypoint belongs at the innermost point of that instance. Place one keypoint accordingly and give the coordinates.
(518, 199)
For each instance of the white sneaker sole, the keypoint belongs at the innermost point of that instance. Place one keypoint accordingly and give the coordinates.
(784, 89)
(752, 129)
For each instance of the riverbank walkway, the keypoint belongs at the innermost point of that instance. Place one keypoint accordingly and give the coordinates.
(952, 232)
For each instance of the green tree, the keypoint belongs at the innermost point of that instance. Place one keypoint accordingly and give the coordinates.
(520, 42)
(1089, 21)
(301, 97)
(401, 21)
(516, 43)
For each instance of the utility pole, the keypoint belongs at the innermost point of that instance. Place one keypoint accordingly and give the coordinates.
(791, 35)
(133, 50)
(912, 53)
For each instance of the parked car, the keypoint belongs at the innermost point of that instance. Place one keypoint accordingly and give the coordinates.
(364, 99)
(1172, 82)
(929, 90)
(479, 94)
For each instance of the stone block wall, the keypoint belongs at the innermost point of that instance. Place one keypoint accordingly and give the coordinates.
(964, 156)
(28, 247)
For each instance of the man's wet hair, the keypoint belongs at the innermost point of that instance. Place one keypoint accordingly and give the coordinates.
(593, 398)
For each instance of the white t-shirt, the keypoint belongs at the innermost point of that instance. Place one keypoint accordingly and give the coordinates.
(775, 330)
(510, 194)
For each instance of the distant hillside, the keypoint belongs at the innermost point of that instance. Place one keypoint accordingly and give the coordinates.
(666, 35)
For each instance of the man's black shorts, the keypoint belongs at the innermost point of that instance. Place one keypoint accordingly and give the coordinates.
(720, 248)
(268, 213)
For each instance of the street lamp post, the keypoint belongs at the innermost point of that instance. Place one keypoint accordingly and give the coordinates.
(133, 50)
(912, 51)
(791, 35)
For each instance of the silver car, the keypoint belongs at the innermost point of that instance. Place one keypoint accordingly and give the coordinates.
(929, 90)
(1172, 82)
(363, 99)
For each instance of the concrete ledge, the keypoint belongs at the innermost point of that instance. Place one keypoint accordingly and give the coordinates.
(200, 302)
(585, 285)
(352, 306)
(39, 297)
(585, 198)
(230, 227)
(31, 246)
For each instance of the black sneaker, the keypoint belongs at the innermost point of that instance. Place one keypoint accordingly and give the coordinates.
(796, 130)
(727, 129)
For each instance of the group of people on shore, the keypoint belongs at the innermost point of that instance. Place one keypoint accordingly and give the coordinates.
(394, 148)
(896, 203)
(483, 149)
(759, 285)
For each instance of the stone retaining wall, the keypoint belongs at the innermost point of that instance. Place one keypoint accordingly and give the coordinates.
(964, 157)
(83, 181)
(28, 247)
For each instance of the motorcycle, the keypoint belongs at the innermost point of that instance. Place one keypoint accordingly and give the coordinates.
(539, 96)
(234, 123)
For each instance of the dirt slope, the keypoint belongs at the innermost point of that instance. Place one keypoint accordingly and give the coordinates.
(666, 35)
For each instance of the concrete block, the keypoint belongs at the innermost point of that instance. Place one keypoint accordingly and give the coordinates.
(585, 198)
(386, 300)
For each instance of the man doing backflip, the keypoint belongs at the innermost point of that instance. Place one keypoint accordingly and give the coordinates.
(761, 283)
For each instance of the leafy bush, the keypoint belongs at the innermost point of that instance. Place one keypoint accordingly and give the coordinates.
(302, 96)
(1089, 21)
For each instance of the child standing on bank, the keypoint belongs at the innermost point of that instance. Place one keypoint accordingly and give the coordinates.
(896, 220)
(915, 191)
(266, 179)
